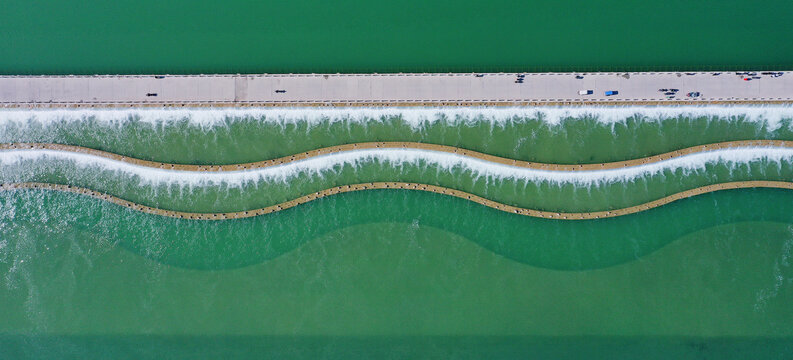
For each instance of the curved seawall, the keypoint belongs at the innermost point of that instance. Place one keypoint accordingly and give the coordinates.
(403, 186)
(457, 151)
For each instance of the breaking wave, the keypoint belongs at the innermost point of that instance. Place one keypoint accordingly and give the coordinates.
(772, 115)
(391, 157)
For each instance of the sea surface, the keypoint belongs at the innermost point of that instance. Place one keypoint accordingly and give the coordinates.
(304, 36)
(392, 272)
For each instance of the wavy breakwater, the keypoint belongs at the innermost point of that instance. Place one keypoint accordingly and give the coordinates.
(733, 145)
(448, 160)
(402, 186)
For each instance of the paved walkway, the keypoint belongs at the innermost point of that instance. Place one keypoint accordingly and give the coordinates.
(388, 89)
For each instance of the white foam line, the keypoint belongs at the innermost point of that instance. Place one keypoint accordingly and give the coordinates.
(392, 157)
(772, 114)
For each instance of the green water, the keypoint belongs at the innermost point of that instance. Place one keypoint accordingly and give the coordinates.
(396, 273)
(543, 243)
(410, 288)
(147, 36)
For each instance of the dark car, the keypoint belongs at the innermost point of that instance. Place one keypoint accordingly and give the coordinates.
(579, 77)
(693, 94)
(280, 91)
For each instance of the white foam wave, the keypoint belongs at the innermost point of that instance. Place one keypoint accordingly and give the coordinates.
(443, 161)
(415, 117)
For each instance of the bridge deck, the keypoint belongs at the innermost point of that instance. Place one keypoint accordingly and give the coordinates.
(387, 88)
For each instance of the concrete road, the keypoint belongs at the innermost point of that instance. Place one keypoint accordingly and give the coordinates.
(378, 89)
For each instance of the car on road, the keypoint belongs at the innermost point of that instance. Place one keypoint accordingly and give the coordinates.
(693, 94)
(612, 92)
(586, 92)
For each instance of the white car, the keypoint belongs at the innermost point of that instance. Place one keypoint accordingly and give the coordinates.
(586, 92)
